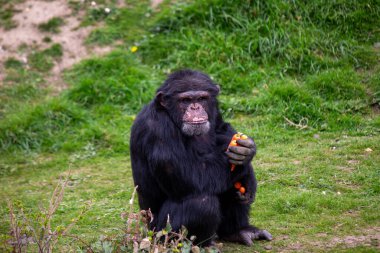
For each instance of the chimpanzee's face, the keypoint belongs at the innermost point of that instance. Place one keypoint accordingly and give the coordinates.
(193, 106)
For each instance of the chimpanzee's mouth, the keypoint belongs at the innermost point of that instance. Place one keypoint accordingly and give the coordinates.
(197, 121)
(195, 128)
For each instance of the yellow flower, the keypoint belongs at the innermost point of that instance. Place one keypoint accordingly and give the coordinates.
(134, 49)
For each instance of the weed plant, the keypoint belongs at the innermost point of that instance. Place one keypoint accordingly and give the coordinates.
(33, 232)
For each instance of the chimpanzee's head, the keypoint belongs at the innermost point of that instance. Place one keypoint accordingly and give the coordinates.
(189, 97)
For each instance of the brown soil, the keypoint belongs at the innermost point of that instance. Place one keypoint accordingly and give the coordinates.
(34, 12)
(369, 237)
(155, 3)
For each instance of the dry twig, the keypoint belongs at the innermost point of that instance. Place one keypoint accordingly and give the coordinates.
(299, 125)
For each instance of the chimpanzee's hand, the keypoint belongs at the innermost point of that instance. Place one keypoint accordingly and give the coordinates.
(243, 153)
(245, 198)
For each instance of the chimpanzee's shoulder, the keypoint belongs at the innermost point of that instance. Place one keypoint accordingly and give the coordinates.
(151, 123)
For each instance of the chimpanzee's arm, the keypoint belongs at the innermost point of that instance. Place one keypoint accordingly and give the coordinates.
(243, 172)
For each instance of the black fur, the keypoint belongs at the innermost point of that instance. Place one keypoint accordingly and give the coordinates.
(188, 177)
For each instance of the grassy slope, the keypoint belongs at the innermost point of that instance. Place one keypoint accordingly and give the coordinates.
(313, 64)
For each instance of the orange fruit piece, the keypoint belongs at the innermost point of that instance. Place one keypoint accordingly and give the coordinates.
(237, 185)
(233, 143)
(243, 137)
(235, 137)
(242, 190)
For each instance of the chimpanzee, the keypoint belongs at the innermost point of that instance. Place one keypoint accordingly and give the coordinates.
(181, 164)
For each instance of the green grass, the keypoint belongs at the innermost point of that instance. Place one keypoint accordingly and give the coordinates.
(117, 79)
(291, 199)
(127, 24)
(43, 61)
(52, 25)
(7, 10)
(15, 95)
(22, 87)
(13, 63)
(301, 78)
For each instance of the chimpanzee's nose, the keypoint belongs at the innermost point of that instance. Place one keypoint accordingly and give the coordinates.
(195, 106)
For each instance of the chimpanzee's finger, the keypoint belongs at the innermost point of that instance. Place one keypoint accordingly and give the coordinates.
(245, 238)
(264, 235)
(239, 196)
(243, 198)
(241, 150)
(235, 156)
(235, 162)
(249, 143)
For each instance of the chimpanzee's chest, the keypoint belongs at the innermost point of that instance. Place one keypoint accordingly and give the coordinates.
(209, 168)
(203, 153)
(209, 158)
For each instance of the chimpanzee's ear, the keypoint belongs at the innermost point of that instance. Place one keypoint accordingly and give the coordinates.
(160, 99)
(218, 87)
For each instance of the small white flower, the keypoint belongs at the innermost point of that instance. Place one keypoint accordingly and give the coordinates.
(338, 193)
(93, 3)
(107, 10)
(324, 193)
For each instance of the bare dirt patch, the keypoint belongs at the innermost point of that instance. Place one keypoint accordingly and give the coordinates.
(370, 237)
(31, 14)
(345, 169)
(155, 3)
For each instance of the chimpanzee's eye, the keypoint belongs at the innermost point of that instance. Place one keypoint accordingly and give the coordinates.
(185, 100)
(200, 99)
